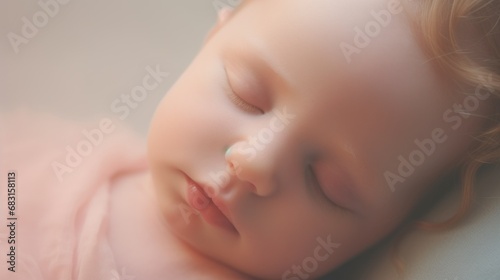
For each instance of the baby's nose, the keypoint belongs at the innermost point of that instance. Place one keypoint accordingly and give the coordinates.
(255, 165)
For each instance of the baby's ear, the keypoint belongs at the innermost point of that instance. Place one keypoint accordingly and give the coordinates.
(223, 16)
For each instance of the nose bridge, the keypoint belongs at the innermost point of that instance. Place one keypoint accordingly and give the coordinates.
(265, 150)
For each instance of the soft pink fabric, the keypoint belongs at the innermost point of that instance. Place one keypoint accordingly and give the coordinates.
(61, 221)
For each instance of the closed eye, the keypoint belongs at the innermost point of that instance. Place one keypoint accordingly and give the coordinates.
(312, 177)
(236, 99)
(242, 104)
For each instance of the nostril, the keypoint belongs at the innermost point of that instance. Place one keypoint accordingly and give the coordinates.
(231, 164)
(233, 167)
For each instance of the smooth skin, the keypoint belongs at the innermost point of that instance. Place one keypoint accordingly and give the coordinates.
(317, 176)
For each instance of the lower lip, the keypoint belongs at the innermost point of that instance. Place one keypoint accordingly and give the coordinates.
(208, 210)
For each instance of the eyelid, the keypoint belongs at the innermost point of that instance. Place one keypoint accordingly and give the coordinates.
(240, 102)
(237, 99)
(318, 185)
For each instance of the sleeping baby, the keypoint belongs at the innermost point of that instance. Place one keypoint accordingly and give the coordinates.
(303, 133)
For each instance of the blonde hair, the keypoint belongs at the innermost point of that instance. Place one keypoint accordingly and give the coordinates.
(439, 26)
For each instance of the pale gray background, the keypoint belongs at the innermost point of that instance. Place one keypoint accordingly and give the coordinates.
(93, 51)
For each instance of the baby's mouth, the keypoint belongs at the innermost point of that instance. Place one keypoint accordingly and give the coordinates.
(212, 210)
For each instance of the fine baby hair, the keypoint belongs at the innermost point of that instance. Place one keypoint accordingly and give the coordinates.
(462, 40)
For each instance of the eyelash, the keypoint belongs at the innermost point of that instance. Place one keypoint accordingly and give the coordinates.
(242, 104)
(238, 101)
(312, 177)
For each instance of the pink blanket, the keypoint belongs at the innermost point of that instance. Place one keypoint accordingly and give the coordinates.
(55, 181)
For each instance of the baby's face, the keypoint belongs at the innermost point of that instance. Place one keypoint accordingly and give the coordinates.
(334, 135)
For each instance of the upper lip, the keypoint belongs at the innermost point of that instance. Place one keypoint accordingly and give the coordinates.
(218, 202)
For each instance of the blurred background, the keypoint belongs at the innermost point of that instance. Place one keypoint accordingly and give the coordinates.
(82, 58)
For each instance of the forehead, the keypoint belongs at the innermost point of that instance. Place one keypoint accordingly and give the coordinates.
(339, 52)
(331, 41)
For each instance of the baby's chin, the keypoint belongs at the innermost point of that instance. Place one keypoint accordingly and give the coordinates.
(209, 256)
(210, 244)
